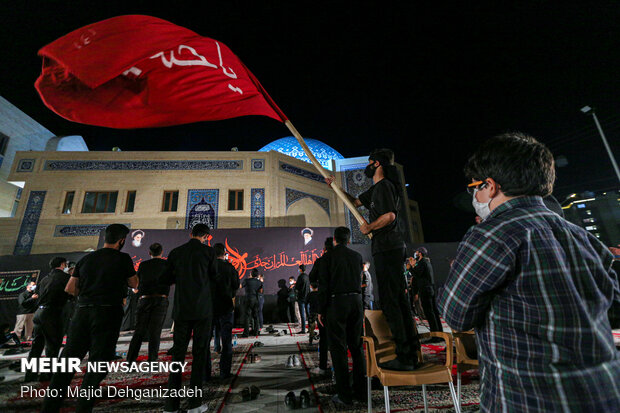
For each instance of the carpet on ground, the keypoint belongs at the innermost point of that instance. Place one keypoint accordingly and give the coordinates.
(402, 399)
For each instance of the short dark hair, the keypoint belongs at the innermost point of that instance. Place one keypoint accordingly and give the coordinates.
(200, 230)
(384, 156)
(302, 267)
(220, 249)
(329, 244)
(342, 235)
(57, 262)
(517, 162)
(115, 233)
(155, 249)
(291, 277)
(254, 273)
(314, 285)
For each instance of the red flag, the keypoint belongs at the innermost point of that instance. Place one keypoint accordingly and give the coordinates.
(141, 71)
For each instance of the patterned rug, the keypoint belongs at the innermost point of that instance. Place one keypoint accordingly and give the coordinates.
(214, 391)
(402, 399)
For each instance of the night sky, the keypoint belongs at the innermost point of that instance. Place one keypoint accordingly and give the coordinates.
(430, 83)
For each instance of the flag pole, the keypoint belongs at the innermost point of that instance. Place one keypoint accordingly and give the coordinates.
(360, 219)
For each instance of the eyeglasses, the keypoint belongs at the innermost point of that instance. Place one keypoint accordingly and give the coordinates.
(475, 186)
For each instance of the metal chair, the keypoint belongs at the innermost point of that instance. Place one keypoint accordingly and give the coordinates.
(378, 347)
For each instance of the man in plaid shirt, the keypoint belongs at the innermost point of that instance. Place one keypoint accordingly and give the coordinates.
(536, 289)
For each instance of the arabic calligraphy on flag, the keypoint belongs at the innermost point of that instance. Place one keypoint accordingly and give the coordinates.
(140, 71)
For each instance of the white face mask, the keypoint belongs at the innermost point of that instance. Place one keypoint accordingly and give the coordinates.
(483, 210)
(66, 270)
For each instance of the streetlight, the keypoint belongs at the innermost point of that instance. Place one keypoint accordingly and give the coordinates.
(588, 109)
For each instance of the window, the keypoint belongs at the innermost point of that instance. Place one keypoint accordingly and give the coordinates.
(591, 227)
(171, 199)
(4, 142)
(66, 207)
(131, 200)
(581, 205)
(99, 202)
(235, 200)
(589, 220)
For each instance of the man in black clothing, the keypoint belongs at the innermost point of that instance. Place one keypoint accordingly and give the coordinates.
(340, 294)
(423, 288)
(388, 250)
(191, 267)
(302, 289)
(367, 289)
(27, 305)
(99, 281)
(283, 312)
(226, 286)
(152, 304)
(48, 322)
(292, 300)
(314, 277)
(253, 287)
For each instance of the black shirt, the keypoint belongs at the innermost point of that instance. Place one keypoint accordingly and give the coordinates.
(252, 286)
(423, 278)
(313, 302)
(340, 274)
(191, 267)
(103, 277)
(302, 287)
(52, 289)
(149, 274)
(26, 304)
(226, 286)
(380, 199)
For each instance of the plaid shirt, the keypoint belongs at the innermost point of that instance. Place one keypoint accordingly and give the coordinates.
(537, 290)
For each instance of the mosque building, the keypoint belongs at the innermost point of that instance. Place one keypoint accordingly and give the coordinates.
(66, 198)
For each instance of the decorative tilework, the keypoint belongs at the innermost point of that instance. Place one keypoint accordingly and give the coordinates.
(202, 205)
(293, 195)
(291, 147)
(25, 165)
(80, 230)
(1, 160)
(258, 164)
(355, 182)
(301, 172)
(28, 229)
(257, 219)
(18, 196)
(234, 165)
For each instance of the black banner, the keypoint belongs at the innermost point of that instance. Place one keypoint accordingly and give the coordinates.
(276, 252)
(12, 283)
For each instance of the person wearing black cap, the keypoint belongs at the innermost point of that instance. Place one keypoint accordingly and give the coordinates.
(253, 287)
(100, 283)
(226, 286)
(388, 250)
(340, 298)
(423, 288)
(48, 328)
(192, 268)
(152, 304)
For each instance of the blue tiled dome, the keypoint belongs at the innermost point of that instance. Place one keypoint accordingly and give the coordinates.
(289, 146)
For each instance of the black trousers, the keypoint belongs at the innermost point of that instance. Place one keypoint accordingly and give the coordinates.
(283, 311)
(150, 315)
(225, 325)
(323, 345)
(183, 330)
(251, 315)
(261, 304)
(395, 303)
(94, 330)
(430, 311)
(48, 333)
(292, 318)
(345, 317)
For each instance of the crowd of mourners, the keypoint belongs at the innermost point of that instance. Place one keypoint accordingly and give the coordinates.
(541, 294)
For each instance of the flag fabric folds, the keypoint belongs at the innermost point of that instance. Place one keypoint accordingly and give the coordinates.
(140, 71)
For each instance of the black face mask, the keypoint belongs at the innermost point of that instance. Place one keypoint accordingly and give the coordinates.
(370, 170)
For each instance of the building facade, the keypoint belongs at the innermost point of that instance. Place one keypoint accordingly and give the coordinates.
(68, 197)
(597, 213)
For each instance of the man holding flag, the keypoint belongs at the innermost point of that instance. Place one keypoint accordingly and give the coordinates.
(388, 251)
